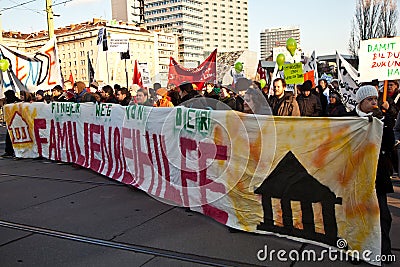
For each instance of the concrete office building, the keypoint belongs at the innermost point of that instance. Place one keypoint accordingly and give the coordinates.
(277, 37)
(75, 41)
(202, 25)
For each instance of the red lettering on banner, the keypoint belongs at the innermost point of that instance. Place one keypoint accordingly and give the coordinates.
(52, 63)
(206, 152)
(186, 173)
(62, 140)
(109, 169)
(117, 154)
(151, 161)
(80, 158)
(143, 159)
(171, 192)
(105, 153)
(53, 142)
(18, 70)
(128, 154)
(94, 147)
(71, 155)
(86, 144)
(38, 125)
(159, 168)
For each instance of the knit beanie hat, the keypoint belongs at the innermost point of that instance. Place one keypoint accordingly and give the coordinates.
(365, 91)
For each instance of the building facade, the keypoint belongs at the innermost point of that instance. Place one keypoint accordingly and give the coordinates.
(202, 25)
(277, 37)
(76, 41)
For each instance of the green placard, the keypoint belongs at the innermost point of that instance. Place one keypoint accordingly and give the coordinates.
(293, 73)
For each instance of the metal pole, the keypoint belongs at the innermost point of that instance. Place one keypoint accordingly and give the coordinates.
(126, 75)
(50, 18)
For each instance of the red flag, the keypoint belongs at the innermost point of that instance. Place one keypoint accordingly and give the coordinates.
(137, 77)
(71, 78)
(206, 72)
(310, 76)
(261, 71)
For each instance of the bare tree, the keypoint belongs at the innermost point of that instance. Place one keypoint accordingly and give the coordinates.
(372, 19)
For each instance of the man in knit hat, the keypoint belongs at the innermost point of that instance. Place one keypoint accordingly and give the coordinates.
(367, 101)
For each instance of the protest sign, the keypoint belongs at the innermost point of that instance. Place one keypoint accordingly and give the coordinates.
(250, 172)
(379, 59)
(293, 73)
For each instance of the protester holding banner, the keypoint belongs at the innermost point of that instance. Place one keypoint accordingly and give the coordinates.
(123, 96)
(393, 92)
(163, 98)
(335, 107)
(309, 104)
(227, 100)
(255, 102)
(322, 92)
(80, 91)
(56, 93)
(10, 98)
(283, 103)
(107, 95)
(367, 100)
(189, 97)
(142, 98)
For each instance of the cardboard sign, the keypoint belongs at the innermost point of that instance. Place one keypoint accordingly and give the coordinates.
(293, 73)
(379, 59)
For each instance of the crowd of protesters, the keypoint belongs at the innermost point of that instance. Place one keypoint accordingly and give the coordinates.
(322, 100)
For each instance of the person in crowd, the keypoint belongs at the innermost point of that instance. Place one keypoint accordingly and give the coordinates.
(123, 96)
(283, 103)
(25, 96)
(163, 99)
(79, 90)
(190, 97)
(309, 104)
(56, 93)
(239, 90)
(39, 96)
(393, 92)
(107, 95)
(255, 102)
(211, 94)
(94, 87)
(335, 107)
(173, 94)
(10, 98)
(227, 101)
(367, 101)
(322, 91)
(88, 98)
(142, 98)
(335, 85)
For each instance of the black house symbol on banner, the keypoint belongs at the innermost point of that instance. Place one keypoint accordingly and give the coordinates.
(296, 204)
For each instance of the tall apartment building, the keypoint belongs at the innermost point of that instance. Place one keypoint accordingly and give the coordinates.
(277, 37)
(226, 25)
(202, 25)
(75, 41)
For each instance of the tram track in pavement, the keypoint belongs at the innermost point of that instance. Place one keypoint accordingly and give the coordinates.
(156, 252)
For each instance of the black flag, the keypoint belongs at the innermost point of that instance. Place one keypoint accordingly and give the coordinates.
(90, 70)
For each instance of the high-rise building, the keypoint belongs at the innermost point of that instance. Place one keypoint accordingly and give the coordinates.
(226, 25)
(202, 25)
(277, 37)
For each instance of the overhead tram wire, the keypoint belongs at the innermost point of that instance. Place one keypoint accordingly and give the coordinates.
(31, 1)
(24, 3)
